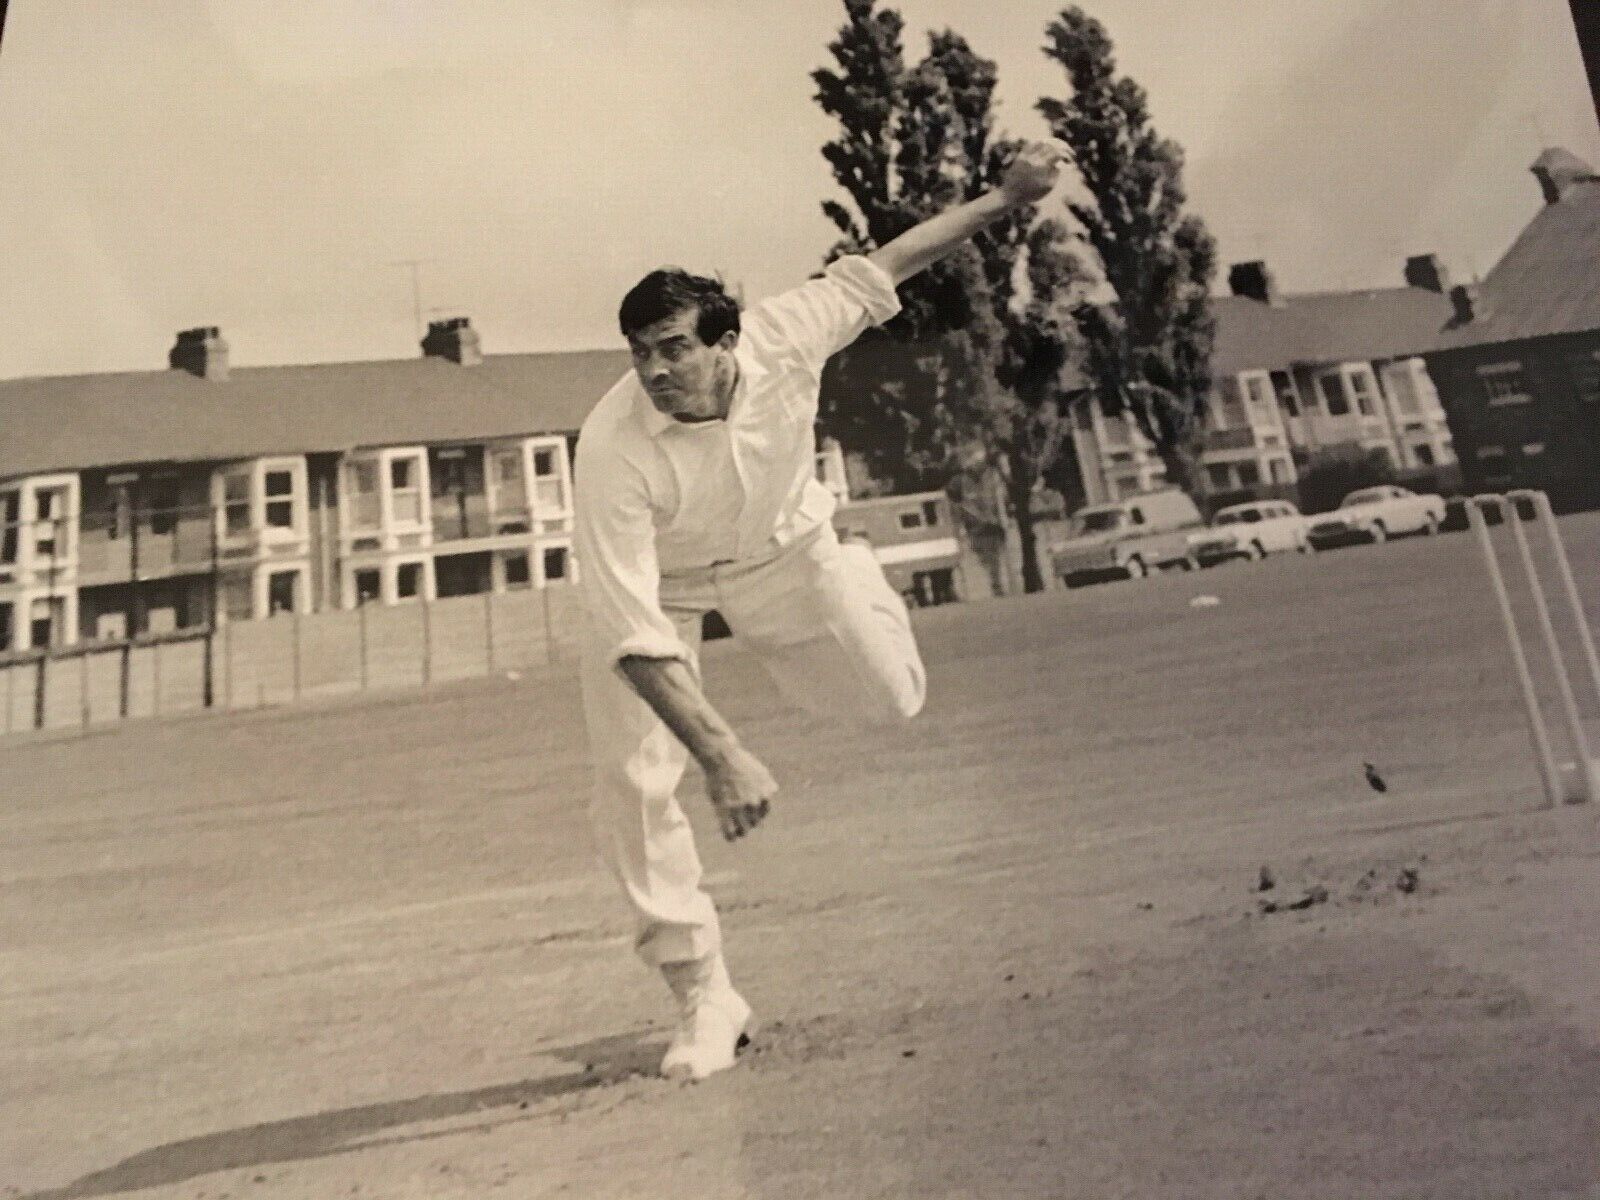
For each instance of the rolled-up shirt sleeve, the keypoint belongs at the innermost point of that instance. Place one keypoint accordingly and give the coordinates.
(822, 316)
(619, 577)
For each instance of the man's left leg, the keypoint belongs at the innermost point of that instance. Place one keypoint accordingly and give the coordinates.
(833, 634)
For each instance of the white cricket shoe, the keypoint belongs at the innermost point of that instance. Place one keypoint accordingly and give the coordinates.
(715, 1023)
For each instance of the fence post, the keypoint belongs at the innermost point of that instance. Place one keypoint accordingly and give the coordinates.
(38, 693)
(361, 624)
(227, 660)
(427, 642)
(127, 668)
(488, 633)
(549, 633)
(295, 617)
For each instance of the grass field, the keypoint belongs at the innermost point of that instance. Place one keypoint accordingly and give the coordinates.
(363, 949)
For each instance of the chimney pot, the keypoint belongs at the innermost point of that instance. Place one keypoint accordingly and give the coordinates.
(1469, 303)
(453, 338)
(1558, 172)
(202, 352)
(1425, 271)
(1254, 281)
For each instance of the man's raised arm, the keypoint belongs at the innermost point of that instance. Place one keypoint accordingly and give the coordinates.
(1029, 179)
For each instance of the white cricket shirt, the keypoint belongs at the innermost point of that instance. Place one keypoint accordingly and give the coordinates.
(654, 495)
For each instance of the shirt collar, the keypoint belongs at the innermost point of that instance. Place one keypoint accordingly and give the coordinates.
(657, 422)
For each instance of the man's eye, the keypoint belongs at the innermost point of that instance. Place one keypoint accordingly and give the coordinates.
(674, 352)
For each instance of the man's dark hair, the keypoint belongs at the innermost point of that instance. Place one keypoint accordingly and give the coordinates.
(666, 292)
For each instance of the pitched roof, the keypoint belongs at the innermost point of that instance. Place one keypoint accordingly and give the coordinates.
(1326, 327)
(1548, 282)
(70, 422)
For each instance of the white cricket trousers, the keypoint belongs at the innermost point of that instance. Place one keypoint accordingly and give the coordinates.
(836, 639)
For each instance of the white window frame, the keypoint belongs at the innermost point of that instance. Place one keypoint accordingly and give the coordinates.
(563, 475)
(263, 587)
(254, 471)
(426, 591)
(541, 579)
(422, 485)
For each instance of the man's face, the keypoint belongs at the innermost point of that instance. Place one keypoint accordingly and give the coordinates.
(681, 373)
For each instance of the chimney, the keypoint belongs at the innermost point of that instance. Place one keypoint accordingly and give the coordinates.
(1425, 271)
(1558, 171)
(200, 351)
(455, 339)
(1254, 281)
(1469, 303)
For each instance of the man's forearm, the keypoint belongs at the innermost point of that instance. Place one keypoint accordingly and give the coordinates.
(923, 245)
(669, 687)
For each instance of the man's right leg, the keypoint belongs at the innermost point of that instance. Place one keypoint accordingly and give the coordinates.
(647, 842)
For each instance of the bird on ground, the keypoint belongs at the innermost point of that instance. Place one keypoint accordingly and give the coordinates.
(1374, 779)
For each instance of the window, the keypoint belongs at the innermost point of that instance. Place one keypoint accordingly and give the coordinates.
(1136, 515)
(548, 492)
(1424, 455)
(1333, 391)
(1280, 472)
(369, 585)
(1288, 394)
(1231, 410)
(10, 517)
(1504, 384)
(930, 513)
(50, 510)
(164, 504)
(1361, 388)
(120, 510)
(555, 563)
(518, 573)
(1249, 473)
(281, 586)
(280, 499)
(1219, 474)
(1259, 395)
(1084, 417)
(6, 626)
(911, 519)
(1584, 371)
(450, 473)
(405, 490)
(236, 504)
(408, 581)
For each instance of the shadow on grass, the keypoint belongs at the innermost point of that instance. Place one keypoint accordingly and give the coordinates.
(603, 1062)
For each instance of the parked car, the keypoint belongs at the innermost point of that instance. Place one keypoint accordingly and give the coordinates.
(1251, 530)
(1128, 538)
(1374, 514)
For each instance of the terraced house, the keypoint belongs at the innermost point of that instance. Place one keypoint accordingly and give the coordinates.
(1296, 377)
(148, 502)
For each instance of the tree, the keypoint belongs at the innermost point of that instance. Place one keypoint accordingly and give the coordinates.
(1148, 332)
(965, 381)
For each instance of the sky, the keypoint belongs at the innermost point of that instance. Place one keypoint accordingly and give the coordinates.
(273, 167)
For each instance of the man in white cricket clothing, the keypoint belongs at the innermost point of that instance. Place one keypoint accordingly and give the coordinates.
(695, 489)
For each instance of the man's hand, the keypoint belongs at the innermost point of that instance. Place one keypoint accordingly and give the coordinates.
(740, 787)
(1032, 175)
(741, 790)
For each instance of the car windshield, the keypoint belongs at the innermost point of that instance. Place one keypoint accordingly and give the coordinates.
(1102, 520)
(1364, 496)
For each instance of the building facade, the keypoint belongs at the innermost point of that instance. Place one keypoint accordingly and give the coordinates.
(1518, 360)
(143, 504)
(1296, 377)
